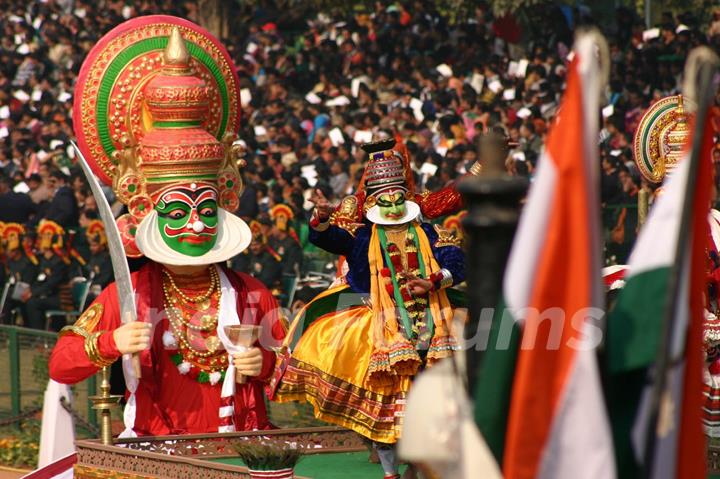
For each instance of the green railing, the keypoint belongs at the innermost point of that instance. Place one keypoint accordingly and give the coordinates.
(24, 378)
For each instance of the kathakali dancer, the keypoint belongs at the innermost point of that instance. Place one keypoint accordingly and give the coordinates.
(371, 336)
(154, 98)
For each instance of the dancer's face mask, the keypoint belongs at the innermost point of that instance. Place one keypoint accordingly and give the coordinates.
(188, 219)
(392, 206)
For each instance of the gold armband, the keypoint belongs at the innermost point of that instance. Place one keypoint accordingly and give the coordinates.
(476, 168)
(93, 351)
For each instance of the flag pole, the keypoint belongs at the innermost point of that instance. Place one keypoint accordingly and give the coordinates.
(706, 69)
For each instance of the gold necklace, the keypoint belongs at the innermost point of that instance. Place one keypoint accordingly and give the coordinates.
(202, 298)
(177, 322)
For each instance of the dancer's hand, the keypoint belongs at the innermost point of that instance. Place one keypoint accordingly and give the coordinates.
(419, 286)
(248, 363)
(132, 337)
(323, 208)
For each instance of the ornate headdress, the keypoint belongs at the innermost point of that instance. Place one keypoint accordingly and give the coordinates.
(660, 137)
(52, 236)
(156, 107)
(12, 235)
(256, 230)
(95, 231)
(281, 215)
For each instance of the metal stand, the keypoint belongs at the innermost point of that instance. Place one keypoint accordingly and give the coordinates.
(104, 403)
(493, 203)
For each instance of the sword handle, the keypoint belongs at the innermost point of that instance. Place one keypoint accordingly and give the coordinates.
(136, 364)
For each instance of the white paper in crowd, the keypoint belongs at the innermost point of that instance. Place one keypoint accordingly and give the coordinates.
(21, 187)
(21, 95)
(42, 154)
(512, 69)
(251, 48)
(519, 156)
(522, 68)
(310, 174)
(18, 39)
(55, 144)
(416, 106)
(615, 152)
(650, 34)
(37, 23)
(336, 137)
(509, 94)
(477, 82)
(428, 169)
(80, 12)
(608, 111)
(570, 56)
(546, 107)
(363, 136)
(260, 130)
(126, 12)
(23, 49)
(36, 95)
(245, 97)
(355, 87)
(441, 150)
(495, 86)
(341, 100)
(523, 113)
(312, 98)
(4, 112)
(70, 151)
(4, 132)
(444, 69)
(64, 96)
(16, 19)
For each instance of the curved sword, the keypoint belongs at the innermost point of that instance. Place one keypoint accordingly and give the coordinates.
(121, 270)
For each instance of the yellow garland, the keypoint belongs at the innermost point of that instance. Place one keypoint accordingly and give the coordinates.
(393, 355)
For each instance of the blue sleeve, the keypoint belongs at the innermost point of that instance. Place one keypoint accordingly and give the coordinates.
(452, 259)
(333, 240)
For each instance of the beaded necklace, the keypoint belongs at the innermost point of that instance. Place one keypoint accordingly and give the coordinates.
(206, 364)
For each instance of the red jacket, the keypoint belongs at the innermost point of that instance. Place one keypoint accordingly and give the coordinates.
(168, 402)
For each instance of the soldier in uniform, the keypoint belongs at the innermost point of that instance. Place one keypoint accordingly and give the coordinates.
(99, 266)
(284, 241)
(21, 264)
(53, 274)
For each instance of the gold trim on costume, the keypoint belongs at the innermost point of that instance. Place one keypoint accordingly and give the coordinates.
(93, 351)
(446, 237)
(90, 318)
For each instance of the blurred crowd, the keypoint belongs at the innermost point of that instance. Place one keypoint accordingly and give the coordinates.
(313, 88)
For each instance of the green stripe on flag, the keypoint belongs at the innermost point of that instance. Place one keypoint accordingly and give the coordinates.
(495, 380)
(633, 334)
(635, 322)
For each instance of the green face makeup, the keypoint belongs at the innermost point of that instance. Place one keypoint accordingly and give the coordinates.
(188, 219)
(392, 206)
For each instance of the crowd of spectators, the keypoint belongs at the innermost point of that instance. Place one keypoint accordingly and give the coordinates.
(314, 89)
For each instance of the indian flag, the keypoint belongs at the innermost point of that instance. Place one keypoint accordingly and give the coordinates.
(539, 401)
(654, 346)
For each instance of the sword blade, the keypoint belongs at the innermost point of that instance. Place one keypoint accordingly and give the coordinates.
(121, 270)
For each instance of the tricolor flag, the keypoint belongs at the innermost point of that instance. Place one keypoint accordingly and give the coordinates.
(655, 328)
(539, 402)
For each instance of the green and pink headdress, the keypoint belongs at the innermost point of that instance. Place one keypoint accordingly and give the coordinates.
(156, 111)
